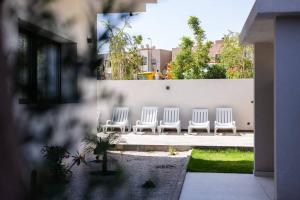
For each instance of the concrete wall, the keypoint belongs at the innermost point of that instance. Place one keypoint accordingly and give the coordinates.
(287, 109)
(264, 109)
(186, 94)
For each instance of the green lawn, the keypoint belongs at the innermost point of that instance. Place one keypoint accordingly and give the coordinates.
(221, 161)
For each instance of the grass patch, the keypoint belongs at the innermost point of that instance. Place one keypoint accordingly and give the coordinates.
(221, 161)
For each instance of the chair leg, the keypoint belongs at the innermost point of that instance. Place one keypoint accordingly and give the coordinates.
(153, 130)
(216, 131)
(208, 130)
(178, 131)
(234, 131)
(189, 130)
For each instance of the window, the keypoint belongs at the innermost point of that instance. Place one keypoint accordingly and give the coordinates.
(23, 64)
(145, 60)
(38, 68)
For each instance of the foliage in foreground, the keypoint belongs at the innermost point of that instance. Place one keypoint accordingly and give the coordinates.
(221, 161)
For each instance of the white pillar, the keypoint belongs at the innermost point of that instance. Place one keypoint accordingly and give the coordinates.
(287, 108)
(264, 110)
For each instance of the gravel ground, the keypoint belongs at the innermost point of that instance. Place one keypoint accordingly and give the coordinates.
(131, 170)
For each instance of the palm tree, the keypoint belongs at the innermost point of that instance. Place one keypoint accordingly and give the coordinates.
(100, 146)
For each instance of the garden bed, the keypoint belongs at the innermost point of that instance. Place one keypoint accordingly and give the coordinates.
(137, 172)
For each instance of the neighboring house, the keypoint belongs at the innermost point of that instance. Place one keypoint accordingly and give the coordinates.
(155, 59)
(175, 51)
(214, 52)
(105, 71)
(160, 59)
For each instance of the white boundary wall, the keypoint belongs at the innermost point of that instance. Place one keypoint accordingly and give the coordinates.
(186, 94)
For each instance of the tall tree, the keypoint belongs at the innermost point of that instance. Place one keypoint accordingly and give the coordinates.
(236, 58)
(123, 52)
(193, 56)
(184, 60)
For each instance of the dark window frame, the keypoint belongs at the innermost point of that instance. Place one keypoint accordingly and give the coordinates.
(35, 40)
(66, 47)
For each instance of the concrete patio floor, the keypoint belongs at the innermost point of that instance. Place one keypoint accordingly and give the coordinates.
(200, 140)
(215, 186)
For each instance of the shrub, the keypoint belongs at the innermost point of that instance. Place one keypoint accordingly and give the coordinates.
(215, 72)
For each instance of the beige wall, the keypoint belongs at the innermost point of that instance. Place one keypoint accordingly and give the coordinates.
(186, 94)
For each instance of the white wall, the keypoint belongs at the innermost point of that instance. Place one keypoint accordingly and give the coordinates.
(186, 94)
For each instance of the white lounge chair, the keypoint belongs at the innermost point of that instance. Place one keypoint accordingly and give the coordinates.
(170, 120)
(148, 119)
(224, 120)
(119, 120)
(199, 120)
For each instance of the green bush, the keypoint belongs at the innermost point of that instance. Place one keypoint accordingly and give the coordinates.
(215, 72)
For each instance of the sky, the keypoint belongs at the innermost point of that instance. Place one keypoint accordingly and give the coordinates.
(166, 21)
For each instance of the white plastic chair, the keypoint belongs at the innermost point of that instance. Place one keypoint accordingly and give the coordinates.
(199, 120)
(148, 119)
(119, 119)
(170, 120)
(224, 120)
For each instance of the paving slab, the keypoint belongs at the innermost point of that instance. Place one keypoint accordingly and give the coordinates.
(202, 140)
(220, 186)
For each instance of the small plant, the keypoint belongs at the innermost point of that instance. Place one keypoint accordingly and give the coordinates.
(100, 146)
(148, 184)
(54, 156)
(77, 159)
(172, 151)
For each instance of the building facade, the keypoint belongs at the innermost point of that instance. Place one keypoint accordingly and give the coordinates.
(155, 59)
(214, 52)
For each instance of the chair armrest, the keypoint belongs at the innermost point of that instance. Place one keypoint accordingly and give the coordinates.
(190, 122)
(233, 122)
(108, 122)
(161, 122)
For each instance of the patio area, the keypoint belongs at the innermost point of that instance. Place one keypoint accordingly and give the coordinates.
(214, 186)
(184, 141)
